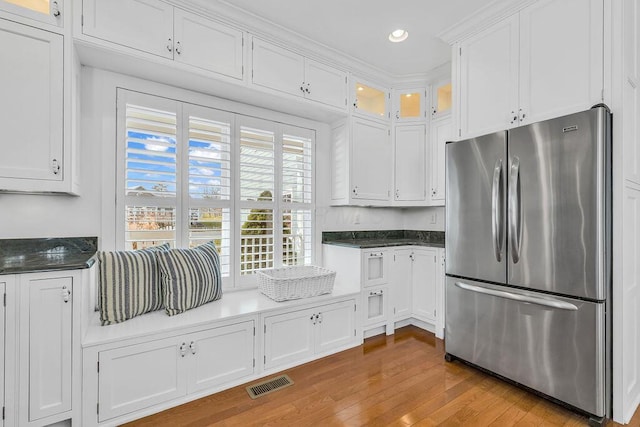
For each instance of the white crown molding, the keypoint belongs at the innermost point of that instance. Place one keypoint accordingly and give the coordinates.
(485, 17)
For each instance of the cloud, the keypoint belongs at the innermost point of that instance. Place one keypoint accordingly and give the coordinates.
(154, 147)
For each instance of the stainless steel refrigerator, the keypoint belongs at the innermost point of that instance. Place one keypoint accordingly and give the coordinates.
(528, 247)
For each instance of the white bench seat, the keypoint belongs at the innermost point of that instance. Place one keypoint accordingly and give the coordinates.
(233, 304)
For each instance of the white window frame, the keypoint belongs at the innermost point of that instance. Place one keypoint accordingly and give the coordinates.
(183, 202)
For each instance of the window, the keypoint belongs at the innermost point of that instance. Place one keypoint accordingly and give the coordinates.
(192, 174)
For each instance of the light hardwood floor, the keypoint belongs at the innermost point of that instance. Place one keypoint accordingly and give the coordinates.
(399, 380)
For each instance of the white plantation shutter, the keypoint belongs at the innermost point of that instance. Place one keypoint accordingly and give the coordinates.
(297, 237)
(296, 168)
(209, 180)
(257, 163)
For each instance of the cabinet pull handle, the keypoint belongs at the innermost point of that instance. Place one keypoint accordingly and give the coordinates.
(319, 317)
(55, 7)
(170, 45)
(183, 349)
(514, 117)
(192, 346)
(313, 318)
(355, 190)
(178, 48)
(397, 194)
(66, 294)
(522, 115)
(307, 88)
(398, 115)
(55, 166)
(355, 104)
(302, 87)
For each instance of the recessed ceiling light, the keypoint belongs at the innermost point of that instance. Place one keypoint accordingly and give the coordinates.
(398, 36)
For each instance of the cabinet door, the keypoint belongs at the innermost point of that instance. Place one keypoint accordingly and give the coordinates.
(219, 355)
(335, 326)
(50, 310)
(441, 100)
(207, 44)
(277, 68)
(375, 265)
(371, 162)
(561, 58)
(146, 25)
(136, 377)
(409, 104)
(489, 79)
(48, 11)
(401, 283)
(441, 132)
(410, 163)
(31, 104)
(370, 100)
(376, 301)
(288, 338)
(424, 281)
(325, 84)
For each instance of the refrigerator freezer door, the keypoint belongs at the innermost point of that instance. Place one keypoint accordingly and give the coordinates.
(552, 344)
(556, 205)
(476, 207)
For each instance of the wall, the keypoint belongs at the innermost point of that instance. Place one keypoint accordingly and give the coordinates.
(431, 219)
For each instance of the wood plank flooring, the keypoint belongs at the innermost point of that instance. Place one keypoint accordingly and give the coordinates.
(399, 380)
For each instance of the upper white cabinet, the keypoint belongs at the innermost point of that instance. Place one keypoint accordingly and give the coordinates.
(47, 11)
(370, 100)
(441, 99)
(361, 163)
(158, 28)
(544, 62)
(32, 109)
(410, 158)
(286, 71)
(441, 132)
(409, 105)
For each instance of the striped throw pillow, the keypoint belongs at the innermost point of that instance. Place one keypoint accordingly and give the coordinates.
(190, 277)
(129, 284)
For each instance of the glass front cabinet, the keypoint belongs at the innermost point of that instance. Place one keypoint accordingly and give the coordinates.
(369, 100)
(409, 104)
(441, 99)
(49, 11)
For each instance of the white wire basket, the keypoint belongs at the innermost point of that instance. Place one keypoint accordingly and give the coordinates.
(282, 284)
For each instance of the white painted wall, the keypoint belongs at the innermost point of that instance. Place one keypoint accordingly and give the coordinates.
(431, 219)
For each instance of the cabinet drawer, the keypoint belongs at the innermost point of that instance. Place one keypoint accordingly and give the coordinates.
(375, 265)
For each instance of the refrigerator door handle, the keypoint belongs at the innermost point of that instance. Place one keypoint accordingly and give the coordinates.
(496, 210)
(514, 209)
(546, 302)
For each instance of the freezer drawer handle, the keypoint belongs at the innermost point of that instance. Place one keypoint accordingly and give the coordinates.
(514, 209)
(496, 210)
(517, 297)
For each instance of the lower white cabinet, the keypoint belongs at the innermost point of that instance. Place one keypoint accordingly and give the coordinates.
(302, 334)
(401, 283)
(424, 279)
(138, 376)
(376, 306)
(46, 354)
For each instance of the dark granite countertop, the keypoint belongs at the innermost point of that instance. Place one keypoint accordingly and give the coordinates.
(32, 255)
(385, 238)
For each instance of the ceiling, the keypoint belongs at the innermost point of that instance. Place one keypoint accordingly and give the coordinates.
(359, 28)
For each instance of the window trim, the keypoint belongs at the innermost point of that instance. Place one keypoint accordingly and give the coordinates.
(235, 280)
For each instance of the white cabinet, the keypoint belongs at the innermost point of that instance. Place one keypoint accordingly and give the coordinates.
(208, 45)
(300, 335)
(158, 28)
(46, 344)
(544, 62)
(409, 105)
(47, 11)
(424, 280)
(376, 306)
(286, 71)
(361, 163)
(370, 100)
(441, 132)
(375, 267)
(410, 162)
(32, 110)
(441, 99)
(138, 376)
(401, 283)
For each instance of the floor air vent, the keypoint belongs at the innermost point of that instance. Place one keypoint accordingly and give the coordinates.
(269, 386)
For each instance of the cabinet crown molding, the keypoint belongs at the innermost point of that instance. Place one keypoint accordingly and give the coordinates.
(484, 18)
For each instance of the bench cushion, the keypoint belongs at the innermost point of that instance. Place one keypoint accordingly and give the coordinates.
(129, 284)
(190, 277)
